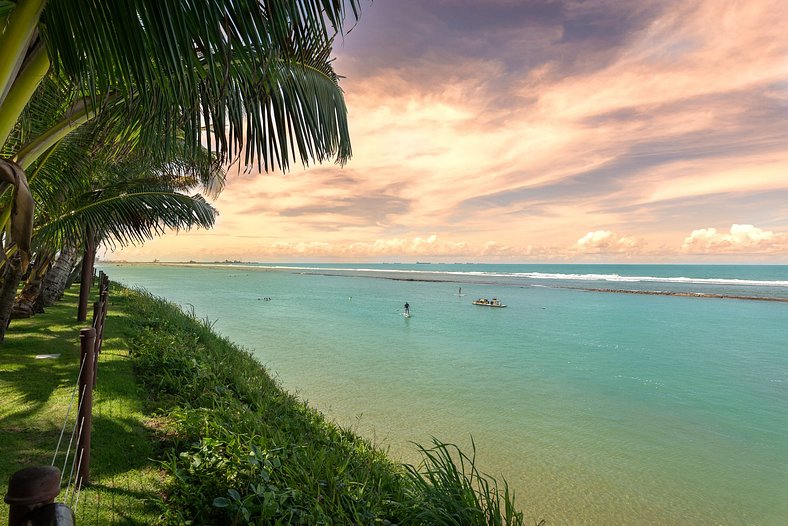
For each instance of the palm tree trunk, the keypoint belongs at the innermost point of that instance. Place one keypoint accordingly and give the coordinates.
(76, 270)
(11, 276)
(55, 280)
(87, 275)
(25, 305)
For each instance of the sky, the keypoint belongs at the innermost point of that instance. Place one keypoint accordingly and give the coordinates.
(544, 131)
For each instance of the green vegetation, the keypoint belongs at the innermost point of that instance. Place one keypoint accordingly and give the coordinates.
(448, 486)
(36, 395)
(242, 451)
(234, 448)
(89, 89)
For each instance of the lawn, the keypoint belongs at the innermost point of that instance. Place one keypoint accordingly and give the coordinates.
(36, 393)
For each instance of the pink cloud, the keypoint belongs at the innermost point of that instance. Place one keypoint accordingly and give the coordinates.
(510, 144)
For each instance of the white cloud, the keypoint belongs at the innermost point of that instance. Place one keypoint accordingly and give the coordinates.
(607, 242)
(493, 248)
(741, 238)
(424, 246)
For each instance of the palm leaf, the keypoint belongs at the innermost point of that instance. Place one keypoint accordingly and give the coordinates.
(5, 9)
(212, 66)
(126, 218)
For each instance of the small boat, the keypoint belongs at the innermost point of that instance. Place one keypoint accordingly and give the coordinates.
(484, 302)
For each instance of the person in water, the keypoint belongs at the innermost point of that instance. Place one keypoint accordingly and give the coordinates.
(407, 308)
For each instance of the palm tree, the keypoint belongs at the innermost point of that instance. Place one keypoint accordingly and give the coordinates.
(110, 200)
(251, 77)
(116, 215)
(124, 214)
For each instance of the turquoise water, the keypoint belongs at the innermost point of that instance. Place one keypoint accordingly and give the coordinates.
(597, 407)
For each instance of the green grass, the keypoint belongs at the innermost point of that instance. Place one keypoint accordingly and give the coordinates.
(242, 449)
(231, 447)
(35, 396)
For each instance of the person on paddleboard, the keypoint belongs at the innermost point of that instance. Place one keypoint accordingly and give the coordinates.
(407, 308)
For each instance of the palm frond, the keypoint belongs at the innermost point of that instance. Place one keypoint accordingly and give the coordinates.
(209, 66)
(6, 7)
(49, 103)
(20, 209)
(126, 218)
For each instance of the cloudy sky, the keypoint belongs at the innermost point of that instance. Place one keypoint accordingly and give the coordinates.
(536, 131)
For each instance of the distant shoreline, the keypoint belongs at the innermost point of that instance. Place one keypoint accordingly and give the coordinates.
(588, 289)
(710, 295)
(685, 294)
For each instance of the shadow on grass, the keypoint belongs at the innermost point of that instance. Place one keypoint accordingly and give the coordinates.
(33, 382)
(118, 445)
(21, 448)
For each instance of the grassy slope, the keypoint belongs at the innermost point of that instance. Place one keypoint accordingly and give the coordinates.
(35, 396)
(236, 448)
(237, 437)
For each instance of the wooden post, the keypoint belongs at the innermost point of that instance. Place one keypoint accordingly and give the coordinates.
(97, 342)
(104, 302)
(84, 419)
(87, 276)
(31, 494)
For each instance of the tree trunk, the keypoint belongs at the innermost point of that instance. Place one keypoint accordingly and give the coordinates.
(76, 269)
(11, 276)
(25, 303)
(87, 276)
(55, 280)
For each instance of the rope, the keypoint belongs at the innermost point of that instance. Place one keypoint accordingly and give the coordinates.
(68, 412)
(79, 492)
(68, 488)
(73, 432)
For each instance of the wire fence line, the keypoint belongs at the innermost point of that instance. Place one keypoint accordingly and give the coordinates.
(65, 421)
(33, 491)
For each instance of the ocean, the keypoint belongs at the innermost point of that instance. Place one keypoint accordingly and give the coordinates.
(603, 394)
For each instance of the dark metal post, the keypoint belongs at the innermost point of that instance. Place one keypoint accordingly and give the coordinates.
(84, 419)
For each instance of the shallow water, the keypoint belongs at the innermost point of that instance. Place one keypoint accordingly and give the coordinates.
(598, 408)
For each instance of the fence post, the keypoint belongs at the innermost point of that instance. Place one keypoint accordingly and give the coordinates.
(87, 339)
(31, 496)
(97, 344)
(103, 316)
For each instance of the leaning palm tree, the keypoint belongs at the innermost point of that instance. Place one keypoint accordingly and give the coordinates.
(117, 215)
(89, 160)
(251, 77)
(108, 199)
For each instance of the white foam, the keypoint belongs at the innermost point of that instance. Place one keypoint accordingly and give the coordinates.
(609, 278)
